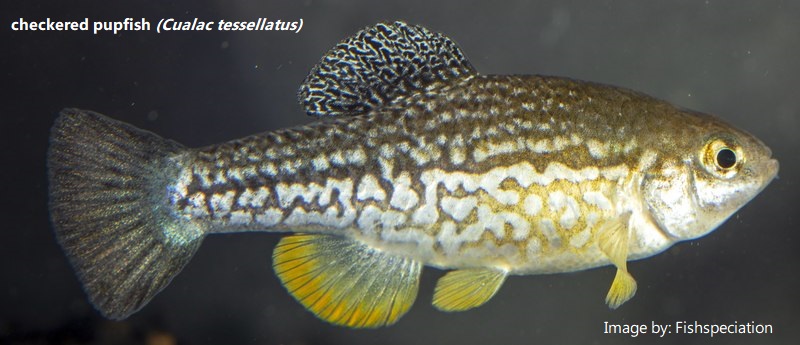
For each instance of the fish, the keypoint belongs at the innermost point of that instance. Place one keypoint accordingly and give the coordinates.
(415, 159)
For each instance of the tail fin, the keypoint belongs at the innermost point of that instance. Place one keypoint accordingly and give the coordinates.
(109, 208)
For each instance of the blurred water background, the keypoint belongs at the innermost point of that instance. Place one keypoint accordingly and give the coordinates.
(737, 59)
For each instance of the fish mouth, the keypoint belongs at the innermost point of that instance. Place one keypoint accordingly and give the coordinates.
(772, 167)
(769, 165)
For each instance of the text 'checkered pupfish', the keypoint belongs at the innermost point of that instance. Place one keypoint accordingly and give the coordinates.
(420, 160)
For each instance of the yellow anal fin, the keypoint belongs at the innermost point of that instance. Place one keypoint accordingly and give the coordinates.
(465, 289)
(345, 282)
(613, 242)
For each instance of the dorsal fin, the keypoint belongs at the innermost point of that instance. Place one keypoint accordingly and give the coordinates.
(377, 64)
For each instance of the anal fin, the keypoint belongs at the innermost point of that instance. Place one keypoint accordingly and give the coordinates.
(465, 289)
(346, 282)
(613, 243)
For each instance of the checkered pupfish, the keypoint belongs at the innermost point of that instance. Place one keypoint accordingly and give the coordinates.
(419, 160)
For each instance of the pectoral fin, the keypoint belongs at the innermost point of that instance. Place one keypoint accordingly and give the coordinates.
(613, 243)
(346, 282)
(465, 289)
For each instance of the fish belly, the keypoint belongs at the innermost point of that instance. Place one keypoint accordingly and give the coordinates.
(518, 218)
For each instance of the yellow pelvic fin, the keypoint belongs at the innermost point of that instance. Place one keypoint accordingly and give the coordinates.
(346, 282)
(622, 289)
(613, 242)
(465, 289)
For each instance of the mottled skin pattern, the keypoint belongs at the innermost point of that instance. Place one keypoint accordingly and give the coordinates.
(418, 159)
(610, 138)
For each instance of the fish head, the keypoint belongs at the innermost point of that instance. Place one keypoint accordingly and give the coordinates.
(717, 171)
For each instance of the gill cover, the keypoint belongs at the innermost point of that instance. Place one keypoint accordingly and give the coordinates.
(724, 171)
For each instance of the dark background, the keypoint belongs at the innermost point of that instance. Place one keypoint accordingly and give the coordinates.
(738, 59)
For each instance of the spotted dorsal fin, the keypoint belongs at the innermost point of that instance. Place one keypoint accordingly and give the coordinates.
(378, 64)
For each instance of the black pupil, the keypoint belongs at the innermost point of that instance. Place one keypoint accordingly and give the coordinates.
(726, 158)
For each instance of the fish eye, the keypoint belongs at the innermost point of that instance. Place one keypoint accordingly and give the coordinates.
(726, 158)
(722, 157)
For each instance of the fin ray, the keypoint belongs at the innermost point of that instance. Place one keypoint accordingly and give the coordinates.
(107, 185)
(345, 282)
(465, 289)
(377, 64)
(613, 242)
(622, 289)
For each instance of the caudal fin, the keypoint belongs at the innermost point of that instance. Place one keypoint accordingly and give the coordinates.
(109, 207)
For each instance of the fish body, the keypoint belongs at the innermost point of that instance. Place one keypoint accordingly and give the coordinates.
(417, 160)
(512, 171)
